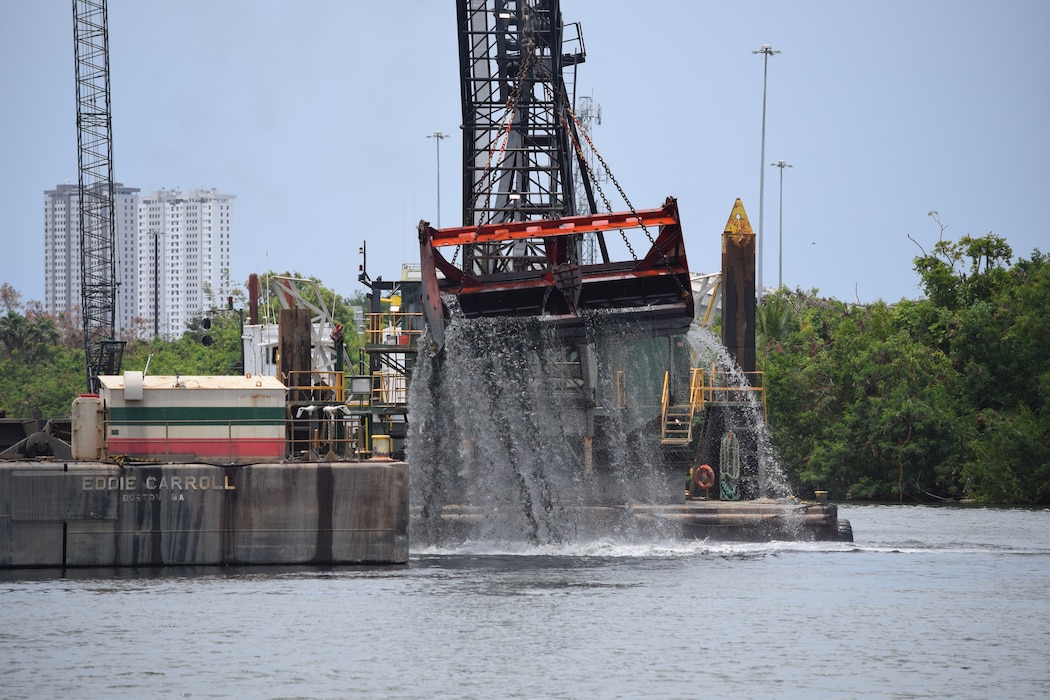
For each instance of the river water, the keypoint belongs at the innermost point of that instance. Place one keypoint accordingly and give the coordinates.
(928, 602)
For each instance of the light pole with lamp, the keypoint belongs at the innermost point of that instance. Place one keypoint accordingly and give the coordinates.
(780, 248)
(766, 50)
(437, 136)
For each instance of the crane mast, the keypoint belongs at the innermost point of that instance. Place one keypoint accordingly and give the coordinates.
(522, 236)
(517, 151)
(95, 184)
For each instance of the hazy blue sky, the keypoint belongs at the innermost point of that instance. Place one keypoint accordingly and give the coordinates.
(315, 115)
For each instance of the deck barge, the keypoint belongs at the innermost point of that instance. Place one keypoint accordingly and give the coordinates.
(760, 520)
(92, 514)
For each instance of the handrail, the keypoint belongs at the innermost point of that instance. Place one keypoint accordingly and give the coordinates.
(723, 393)
(389, 388)
(621, 389)
(696, 389)
(663, 404)
(315, 381)
(405, 327)
(705, 388)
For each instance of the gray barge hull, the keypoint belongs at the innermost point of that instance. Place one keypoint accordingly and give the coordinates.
(718, 521)
(91, 514)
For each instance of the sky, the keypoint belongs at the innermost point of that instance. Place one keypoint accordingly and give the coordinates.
(315, 115)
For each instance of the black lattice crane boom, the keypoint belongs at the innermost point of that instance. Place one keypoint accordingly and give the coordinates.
(98, 277)
(521, 237)
(517, 152)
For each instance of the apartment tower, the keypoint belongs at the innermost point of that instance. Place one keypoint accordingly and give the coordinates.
(62, 251)
(185, 251)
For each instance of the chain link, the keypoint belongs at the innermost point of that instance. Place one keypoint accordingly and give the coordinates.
(663, 256)
(594, 180)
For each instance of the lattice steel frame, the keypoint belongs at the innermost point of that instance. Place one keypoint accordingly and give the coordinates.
(517, 153)
(95, 180)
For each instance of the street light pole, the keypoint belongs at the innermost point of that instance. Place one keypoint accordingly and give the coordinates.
(156, 281)
(766, 50)
(437, 136)
(780, 262)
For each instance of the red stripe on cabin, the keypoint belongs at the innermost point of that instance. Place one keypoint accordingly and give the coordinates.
(218, 447)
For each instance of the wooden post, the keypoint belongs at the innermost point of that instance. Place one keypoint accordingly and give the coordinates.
(293, 345)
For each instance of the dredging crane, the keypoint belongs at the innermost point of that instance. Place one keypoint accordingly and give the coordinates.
(521, 240)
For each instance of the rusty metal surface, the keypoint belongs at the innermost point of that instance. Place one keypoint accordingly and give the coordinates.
(738, 288)
(559, 290)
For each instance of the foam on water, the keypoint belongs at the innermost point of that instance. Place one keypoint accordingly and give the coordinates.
(610, 548)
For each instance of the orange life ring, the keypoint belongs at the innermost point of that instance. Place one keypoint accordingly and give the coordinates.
(704, 476)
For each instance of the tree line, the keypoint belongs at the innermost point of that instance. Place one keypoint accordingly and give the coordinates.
(42, 357)
(942, 398)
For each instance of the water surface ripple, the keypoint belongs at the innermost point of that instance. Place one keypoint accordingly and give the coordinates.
(946, 602)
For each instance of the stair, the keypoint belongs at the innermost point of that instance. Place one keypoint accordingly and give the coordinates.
(678, 426)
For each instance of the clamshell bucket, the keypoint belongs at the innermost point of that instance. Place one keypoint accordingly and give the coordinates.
(653, 290)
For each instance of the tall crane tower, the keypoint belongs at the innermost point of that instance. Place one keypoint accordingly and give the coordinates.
(522, 234)
(518, 160)
(95, 182)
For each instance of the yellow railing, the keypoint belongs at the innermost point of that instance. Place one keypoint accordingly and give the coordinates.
(676, 426)
(316, 385)
(718, 390)
(696, 388)
(621, 389)
(704, 388)
(394, 328)
(665, 396)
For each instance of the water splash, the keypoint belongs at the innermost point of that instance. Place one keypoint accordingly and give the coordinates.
(518, 438)
(501, 425)
(707, 352)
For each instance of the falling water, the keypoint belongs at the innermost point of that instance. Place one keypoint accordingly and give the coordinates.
(502, 416)
(500, 423)
(707, 352)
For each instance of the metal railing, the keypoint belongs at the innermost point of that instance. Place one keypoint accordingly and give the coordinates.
(329, 434)
(705, 388)
(394, 328)
(389, 388)
(316, 385)
(718, 390)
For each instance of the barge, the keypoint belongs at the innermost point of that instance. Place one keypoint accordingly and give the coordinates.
(172, 471)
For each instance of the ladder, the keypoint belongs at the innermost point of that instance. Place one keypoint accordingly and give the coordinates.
(677, 419)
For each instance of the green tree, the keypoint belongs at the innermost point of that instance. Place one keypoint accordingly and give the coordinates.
(1000, 347)
(29, 338)
(957, 274)
(774, 319)
(863, 410)
(1009, 461)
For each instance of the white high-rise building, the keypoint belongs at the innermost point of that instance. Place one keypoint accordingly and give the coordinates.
(185, 256)
(62, 251)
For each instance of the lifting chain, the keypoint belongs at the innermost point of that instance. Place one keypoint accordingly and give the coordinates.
(608, 171)
(590, 171)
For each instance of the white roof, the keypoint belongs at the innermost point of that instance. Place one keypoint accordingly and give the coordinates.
(116, 383)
